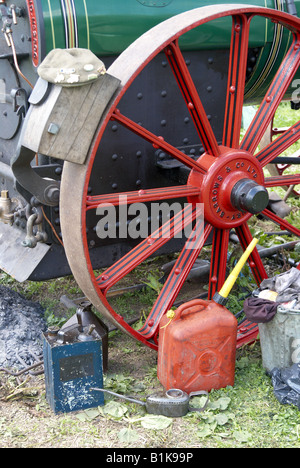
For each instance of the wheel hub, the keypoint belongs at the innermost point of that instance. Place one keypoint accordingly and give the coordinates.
(232, 189)
(249, 196)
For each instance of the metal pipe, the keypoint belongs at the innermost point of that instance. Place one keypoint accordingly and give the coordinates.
(269, 251)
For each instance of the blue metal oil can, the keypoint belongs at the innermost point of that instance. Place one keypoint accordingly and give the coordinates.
(73, 363)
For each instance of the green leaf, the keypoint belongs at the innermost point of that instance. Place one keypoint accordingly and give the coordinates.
(205, 432)
(115, 409)
(154, 284)
(128, 435)
(198, 401)
(82, 417)
(224, 403)
(208, 418)
(153, 421)
(92, 413)
(221, 404)
(242, 436)
(88, 415)
(221, 419)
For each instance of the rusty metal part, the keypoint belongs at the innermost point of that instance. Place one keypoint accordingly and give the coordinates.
(23, 371)
(38, 363)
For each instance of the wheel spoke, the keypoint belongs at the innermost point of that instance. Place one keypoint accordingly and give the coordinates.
(284, 225)
(141, 196)
(157, 141)
(176, 277)
(147, 247)
(218, 261)
(273, 97)
(282, 143)
(254, 260)
(192, 99)
(236, 81)
(282, 181)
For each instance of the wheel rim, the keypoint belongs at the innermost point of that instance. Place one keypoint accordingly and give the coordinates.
(229, 165)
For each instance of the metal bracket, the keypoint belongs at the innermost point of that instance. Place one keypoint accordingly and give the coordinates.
(45, 190)
(21, 109)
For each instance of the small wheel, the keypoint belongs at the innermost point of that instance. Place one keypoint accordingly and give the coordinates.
(228, 178)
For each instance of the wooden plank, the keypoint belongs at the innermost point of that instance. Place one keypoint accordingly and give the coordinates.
(77, 113)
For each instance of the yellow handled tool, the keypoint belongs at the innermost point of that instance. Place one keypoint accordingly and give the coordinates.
(222, 296)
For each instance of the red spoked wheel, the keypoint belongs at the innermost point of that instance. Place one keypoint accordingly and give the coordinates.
(228, 178)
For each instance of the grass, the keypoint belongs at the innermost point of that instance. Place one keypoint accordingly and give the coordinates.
(245, 415)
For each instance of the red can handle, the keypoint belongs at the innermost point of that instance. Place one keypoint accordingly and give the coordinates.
(190, 304)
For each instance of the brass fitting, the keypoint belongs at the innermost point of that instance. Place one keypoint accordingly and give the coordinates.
(6, 215)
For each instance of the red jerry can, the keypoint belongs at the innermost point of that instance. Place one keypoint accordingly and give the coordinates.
(197, 347)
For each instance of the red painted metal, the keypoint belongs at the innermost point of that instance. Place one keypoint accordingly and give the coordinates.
(283, 180)
(255, 262)
(191, 97)
(276, 147)
(157, 141)
(141, 196)
(176, 278)
(222, 174)
(284, 225)
(146, 248)
(212, 176)
(236, 80)
(218, 261)
(247, 333)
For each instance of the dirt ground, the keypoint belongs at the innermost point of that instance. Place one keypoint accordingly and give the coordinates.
(251, 417)
(27, 421)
